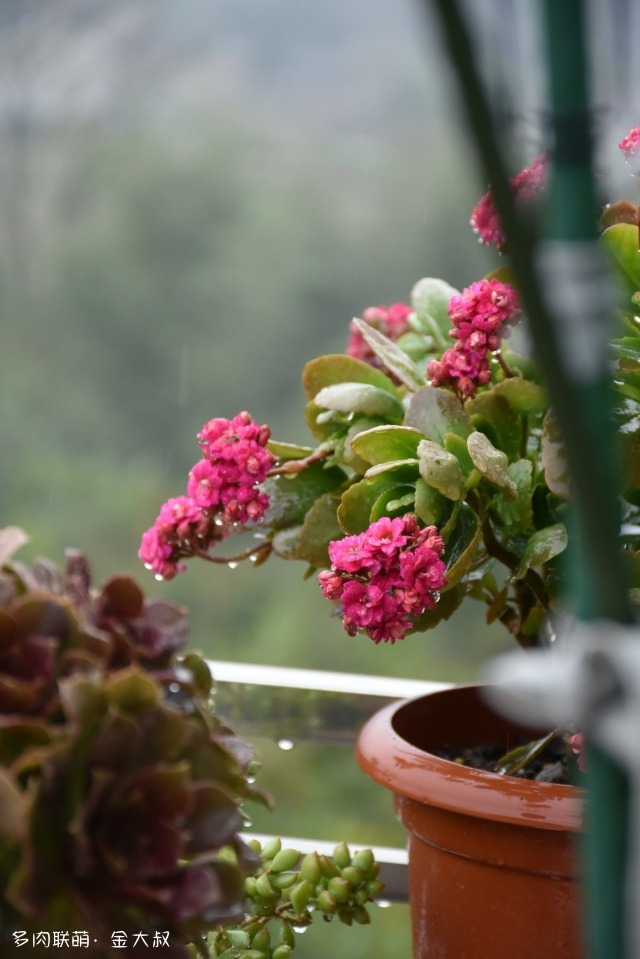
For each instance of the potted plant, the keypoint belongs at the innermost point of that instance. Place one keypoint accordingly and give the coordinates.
(437, 477)
(122, 791)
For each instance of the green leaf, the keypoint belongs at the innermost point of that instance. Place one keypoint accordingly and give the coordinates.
(493, 415)
(395, 501)
(462, 546)
(519, 512)
(492, 463)
(407, 468)
(554, 458)
(429, 504)
(341, 368)
(288, 451)
(434, 412)
(384, 443)
(440, 469)
(319, 528)
(541, 547)
(522, 394)
(516, 759)
(621, 240)
(349, 455)
(291, 495)
(360, 398)
(354, 512)
(430, 299)
(392, 356)
(456, 445)
(450, 600)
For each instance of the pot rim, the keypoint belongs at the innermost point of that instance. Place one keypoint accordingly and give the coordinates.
(409, 771)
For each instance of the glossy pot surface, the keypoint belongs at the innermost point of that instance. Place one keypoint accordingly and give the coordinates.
(492, 863)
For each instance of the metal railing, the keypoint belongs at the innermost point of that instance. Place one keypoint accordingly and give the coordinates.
(303, 705)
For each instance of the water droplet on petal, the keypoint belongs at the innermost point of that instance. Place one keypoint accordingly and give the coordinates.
(300, 929)
(232, 565)
(159, 577)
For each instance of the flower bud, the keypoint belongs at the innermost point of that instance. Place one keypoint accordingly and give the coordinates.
(271, 848)
(327, 902)
(285, 859)
(283, 951)
(300, 896)
(363, 860)
(282, 880)
(374, 887)
(329, 868)
(254, 846)
(341, 855)
(340, 888)
(250, 887)
(238, 938)
(262, 940)
(361, 916)
(311, 868)
(352, 875)
(263, 886)
(286, 935)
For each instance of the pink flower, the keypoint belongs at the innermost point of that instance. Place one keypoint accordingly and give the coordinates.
(235, 463)
(384, 576)
(485, 220)
(180, 527)
(390, 320)
(630, 144)
(481, 315)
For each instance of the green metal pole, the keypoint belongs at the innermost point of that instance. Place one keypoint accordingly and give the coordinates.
(571, 223)
(580, 397)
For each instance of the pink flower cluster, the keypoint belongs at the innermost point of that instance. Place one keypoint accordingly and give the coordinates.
(481, 315)
(235, 463)
(630, 144)
(222, 492)
(384, 576)
(390, 320)
(579, 748)
(485, 219)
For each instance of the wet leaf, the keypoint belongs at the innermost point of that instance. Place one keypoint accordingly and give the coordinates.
(554, 458)
(434, 412)
(395, 501)
(319, 528)
(521, 756)
(429, 504)
(462, 546)
(493, 415)
(392, 356)
(407, 468)
(340, 368)
(430, 299)
(541, 547)
(621, 240)
(354, 512)
(492, 463)
(360, 398)
(523, 395)
(518, 512)
(288, 451)
(292, 495)
(440, 469)
(450, 600)
(384, 443)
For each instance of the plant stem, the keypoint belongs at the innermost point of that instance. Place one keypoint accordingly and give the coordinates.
(256, 551)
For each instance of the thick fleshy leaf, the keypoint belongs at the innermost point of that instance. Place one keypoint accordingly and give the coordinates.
(430, 299)
(319, 528)
(493, 415)
(447, 604)
(541, 547)
(518, 513)
(492, 463)
(554, 458)
(360, 425)
(462, 546)
(122, 597)
(360, 398)
(440, 469)
(396, 501)
(434, 412)
(41, 615)
(407, 468)
(288, 451)
(621, 240)
(341, 368)
(385, 443)
(521, 756)
(429, 504)
(354, 512)
(132, 690)
(523, 395)
(393, 358)
(292, 495)
(213, 819)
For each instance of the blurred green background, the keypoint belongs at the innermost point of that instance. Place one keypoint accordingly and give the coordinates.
(196, 198)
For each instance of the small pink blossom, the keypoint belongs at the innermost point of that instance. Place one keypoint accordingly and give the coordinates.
(180, 526)
(481, 316)
(390, 320)
(630, 144)
(485, 220)
(235, 463)
(384, 576)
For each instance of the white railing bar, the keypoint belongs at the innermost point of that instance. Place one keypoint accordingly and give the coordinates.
(386, 687)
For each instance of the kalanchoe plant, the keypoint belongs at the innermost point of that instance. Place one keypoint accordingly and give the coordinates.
(438, 473)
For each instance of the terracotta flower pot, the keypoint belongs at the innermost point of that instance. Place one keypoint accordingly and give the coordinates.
(492, 865)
